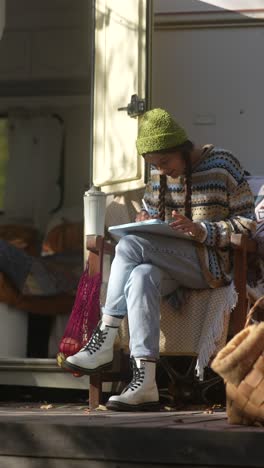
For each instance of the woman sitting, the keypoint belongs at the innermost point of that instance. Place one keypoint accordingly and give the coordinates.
(199, 191)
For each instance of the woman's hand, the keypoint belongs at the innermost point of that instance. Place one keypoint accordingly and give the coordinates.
(184, 224)
(142, 216)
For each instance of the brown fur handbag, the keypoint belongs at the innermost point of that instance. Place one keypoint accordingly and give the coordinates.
(241, 364)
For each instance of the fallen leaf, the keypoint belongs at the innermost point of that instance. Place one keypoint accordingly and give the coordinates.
(101, 408)
(169, 408)
(46, 406)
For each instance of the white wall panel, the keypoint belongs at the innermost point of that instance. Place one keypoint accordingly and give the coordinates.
(15, 55)
(212, 81)
(60, 53)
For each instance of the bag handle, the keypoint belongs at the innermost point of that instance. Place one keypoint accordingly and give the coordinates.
(253, 310)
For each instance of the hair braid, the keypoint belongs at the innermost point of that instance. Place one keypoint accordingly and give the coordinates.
(162, 193)
(188, 186)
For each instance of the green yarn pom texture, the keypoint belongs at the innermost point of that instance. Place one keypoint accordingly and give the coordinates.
(158, 131)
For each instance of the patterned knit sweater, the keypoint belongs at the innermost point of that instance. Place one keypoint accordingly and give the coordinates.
(221, 199)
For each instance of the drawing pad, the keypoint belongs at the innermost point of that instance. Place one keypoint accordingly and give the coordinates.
(152, 226)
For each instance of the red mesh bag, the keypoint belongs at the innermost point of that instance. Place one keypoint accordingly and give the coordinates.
(84, 316)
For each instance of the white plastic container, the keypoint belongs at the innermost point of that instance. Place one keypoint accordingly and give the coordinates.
(94, 212)
(13, 332)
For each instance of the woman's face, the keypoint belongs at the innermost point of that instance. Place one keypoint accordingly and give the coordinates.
(171, 164)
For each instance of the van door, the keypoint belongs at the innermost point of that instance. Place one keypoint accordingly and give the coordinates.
(121, 91)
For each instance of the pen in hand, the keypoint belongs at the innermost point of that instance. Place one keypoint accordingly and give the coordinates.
(145, 206)
(143, 215)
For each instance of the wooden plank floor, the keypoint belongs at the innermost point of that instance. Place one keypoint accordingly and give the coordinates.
(71, 433)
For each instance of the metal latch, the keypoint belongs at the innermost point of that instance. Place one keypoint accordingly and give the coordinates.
(136, 106)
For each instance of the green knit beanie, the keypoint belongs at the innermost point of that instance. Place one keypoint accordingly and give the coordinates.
(159, 131)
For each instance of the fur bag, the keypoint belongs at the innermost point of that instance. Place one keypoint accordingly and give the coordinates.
(241, 364)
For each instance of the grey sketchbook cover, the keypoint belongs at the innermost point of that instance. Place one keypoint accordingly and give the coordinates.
(152, 226)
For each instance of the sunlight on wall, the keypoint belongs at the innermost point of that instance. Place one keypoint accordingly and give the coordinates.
(235, 5)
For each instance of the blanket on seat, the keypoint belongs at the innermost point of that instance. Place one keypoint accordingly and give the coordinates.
(199, 328)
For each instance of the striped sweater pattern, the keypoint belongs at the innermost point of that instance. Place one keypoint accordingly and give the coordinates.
(221, 199)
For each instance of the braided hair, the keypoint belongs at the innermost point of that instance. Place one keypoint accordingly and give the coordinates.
(188, 182)
(185, 150)
(162, 193)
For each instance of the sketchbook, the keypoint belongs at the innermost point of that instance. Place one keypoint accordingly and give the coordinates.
(152, 226)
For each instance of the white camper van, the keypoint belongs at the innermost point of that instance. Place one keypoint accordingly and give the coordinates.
(66, 67)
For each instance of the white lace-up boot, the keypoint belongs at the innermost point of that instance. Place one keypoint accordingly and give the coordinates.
(142, 392)
(98, 352)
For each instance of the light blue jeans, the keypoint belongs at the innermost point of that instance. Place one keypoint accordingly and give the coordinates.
(145, 268)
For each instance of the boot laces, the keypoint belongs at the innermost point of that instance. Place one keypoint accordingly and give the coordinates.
(97, 339)
(138, 376)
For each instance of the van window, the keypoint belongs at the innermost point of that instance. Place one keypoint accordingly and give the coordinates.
(4, 155)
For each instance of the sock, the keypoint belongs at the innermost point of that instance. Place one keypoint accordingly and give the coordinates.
(111, 321)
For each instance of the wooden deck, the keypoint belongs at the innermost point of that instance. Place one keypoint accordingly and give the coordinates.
(70, 436)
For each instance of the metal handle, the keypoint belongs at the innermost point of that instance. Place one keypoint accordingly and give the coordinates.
(136, 106)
